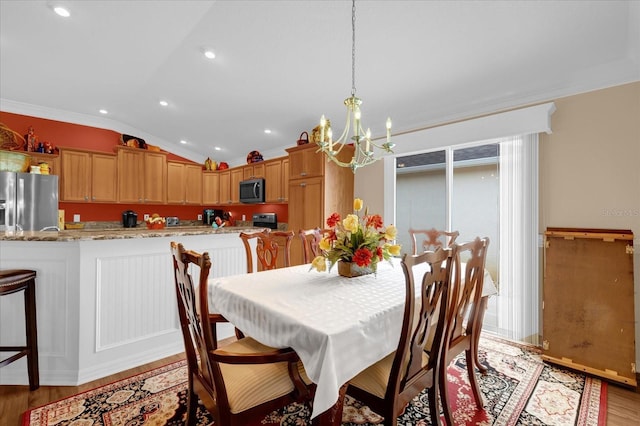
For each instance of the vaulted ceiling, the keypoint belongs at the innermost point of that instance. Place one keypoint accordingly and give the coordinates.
(280, 65)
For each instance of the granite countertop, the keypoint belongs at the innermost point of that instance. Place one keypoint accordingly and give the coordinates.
(119, 233)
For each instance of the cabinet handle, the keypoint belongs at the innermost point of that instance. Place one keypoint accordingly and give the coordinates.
(303, 184)
(93, 198)
(303, 173)
(86, 198)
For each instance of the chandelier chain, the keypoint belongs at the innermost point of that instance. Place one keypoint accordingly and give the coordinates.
(353, 48)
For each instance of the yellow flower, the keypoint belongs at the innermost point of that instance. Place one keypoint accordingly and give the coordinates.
(357, 204)
(391, 232)
(394, 249)
(324, 244)
(319, 263)
(351, 223)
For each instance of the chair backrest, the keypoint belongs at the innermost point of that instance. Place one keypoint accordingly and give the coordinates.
(268, 244)
(196, 333)
(431, 239)
(310, 243)
(467, 288)
(424, 330)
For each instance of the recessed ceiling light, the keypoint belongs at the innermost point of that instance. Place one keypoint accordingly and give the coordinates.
(104, 111)
(183, 141)
(164, 103)
(209, 54)
(267, 131)
(61, 11)
(217, 148)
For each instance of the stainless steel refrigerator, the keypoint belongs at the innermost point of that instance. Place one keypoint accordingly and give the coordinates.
(28, 202)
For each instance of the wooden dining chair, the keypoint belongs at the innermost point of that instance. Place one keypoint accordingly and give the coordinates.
(242, 382)
(311, 242)
(431, 239)
(391, 383)
(268, 248)
(465, 321)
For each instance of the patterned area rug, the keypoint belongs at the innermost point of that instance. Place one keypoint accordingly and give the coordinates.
(519, 389)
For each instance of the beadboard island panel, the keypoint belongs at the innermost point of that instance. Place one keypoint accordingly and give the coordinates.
(103, 305)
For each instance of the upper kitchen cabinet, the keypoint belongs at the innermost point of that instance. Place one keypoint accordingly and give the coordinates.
(253, 171)
(276, 174)
(305, 161)
(184, 183)
(317, 189)
(210, 188)
(142, 176)
(225, 187)
(87, 176)
(237, 175)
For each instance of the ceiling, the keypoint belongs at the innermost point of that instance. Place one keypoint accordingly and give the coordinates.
(280, 65)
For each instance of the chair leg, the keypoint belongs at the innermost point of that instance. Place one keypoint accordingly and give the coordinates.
(192, 404)
(32, 335)
(475, 387)
(434, 408)
(444, 395)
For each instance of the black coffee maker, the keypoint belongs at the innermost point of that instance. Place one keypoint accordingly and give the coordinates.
(129, 219)
(209, 215)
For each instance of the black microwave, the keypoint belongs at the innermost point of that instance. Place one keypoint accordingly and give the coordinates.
(252, 191)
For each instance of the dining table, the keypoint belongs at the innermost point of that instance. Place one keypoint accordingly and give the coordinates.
(337, 325)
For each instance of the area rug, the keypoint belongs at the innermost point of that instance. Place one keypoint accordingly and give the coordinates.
(519, 389)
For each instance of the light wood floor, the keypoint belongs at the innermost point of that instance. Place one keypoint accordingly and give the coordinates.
(623, 408)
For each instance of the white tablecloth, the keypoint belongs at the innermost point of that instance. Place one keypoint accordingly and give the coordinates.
(338, 326)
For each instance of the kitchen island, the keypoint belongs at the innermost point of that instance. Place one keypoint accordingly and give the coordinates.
(105, 298)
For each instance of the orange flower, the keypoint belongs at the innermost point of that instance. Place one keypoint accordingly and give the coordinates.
(333, 220)
(362, 256)
(375, 221)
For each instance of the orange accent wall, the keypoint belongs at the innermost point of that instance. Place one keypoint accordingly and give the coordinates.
(69, 135)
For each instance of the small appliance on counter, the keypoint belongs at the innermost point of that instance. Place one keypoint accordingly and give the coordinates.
(172, 221)
(209, 216)
(129, 219)
(265, 220)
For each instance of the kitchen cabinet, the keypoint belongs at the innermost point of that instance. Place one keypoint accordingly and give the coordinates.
(317, 189)
(52, 160)
(234, 188)
(88, 176)
(253, 171)
(225, 187)
(141, 176)
(306, 162)
(210, 188)
(184, 183)
(276, 180)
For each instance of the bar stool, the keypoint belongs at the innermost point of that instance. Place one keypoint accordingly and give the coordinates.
(12, 281)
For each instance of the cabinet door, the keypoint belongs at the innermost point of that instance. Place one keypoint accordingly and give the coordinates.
(130, 176)
(305, 209)
(193, 184)
(76, 176)
(305, 163)
(285, 179)
(273, 182)
(234, 188)
(104, 178)
(175, 183)
(210, 188)
(225, 186)
(155, 176)
(253, 171)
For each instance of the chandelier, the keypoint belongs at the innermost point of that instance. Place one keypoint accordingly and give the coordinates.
(363, 145)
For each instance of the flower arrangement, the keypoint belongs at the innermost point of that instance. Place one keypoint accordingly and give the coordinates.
(361, 240)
